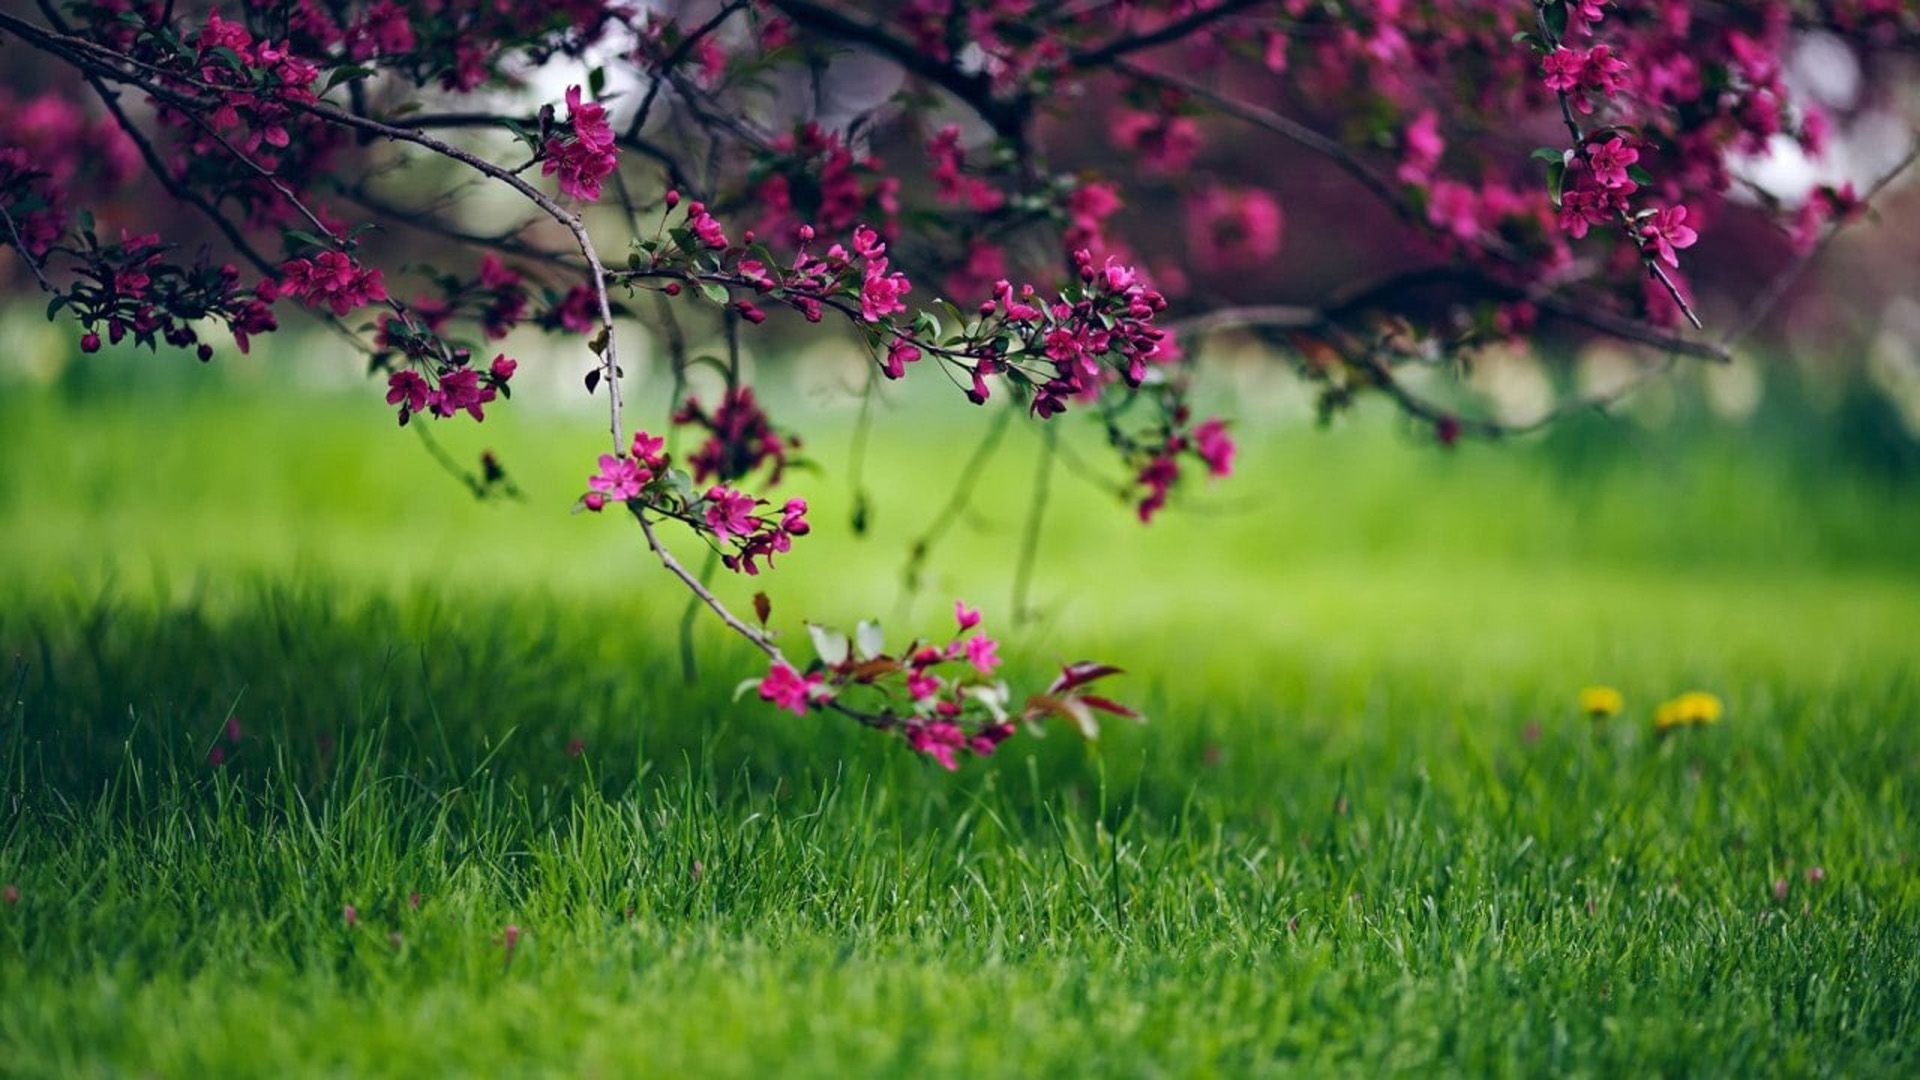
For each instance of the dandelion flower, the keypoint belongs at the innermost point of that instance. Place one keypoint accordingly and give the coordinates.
(1601, 702)
(1699, 707)
(1695, 708)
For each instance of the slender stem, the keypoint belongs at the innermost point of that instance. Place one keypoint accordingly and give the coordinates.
(1036, 513)
(689, 666)
(21, 245)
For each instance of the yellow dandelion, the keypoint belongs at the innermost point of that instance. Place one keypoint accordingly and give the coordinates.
(1699, 707)
(1601, 702)
(1694, 708)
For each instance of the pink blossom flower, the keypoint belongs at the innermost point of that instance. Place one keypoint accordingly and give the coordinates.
(1563, 69)
(729, 513)
(922, 684)
(650, 449)
(967, 617)
(1233, 229)
(619, 478)
(784, 687)
(880, 292)
(503, 367)
(1604, 71)
(1610, 160)
(460, 389)
(899, 355)
(1665, 230)
(938, 740)
(1422, 146)
(1166, 142)
(793, 518)
(578, 311)
(989, 738)
(706, 227)
(383, 31)
(983, 653)
(407, 390)
(1454, 209)
(1159, 475)
(1215, 446)
(495, 275)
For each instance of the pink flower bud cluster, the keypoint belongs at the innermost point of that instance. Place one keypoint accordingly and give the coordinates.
(741, 439)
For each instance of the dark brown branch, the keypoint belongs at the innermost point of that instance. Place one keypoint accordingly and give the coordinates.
(674, 60)
(111, 99)
(1008, 117)
(1174, 31)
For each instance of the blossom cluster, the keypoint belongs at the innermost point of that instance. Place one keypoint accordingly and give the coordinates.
(1159, 472)
(131, 288)
(745, 530)
(942, 699)
(811, 176)
(261, 82)
(450, 387)
(52, 154)
(586, 156)
(741, 438)
(332, 281)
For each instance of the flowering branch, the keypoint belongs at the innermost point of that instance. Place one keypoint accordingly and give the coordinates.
(960, 225)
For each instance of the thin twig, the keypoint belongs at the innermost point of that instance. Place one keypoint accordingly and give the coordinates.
(759, 639)
(1776, 289)
(1036, 514)
(25, 255)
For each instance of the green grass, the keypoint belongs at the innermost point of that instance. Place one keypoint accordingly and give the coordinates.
(1365, 831)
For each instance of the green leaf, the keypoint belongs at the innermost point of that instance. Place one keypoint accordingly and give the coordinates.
(228, 57)
(1556, 176)
(716, 293)
(54, 305)
(680, 482)
(1556, 16)
(1639, 175)
(345, 74)
(1548, 154)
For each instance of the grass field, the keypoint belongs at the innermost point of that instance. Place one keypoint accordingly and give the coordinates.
(1366, 830)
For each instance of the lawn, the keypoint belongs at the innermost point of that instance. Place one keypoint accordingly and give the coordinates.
(1366, 829)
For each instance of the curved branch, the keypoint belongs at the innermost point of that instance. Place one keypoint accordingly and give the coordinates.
(1165, 35)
